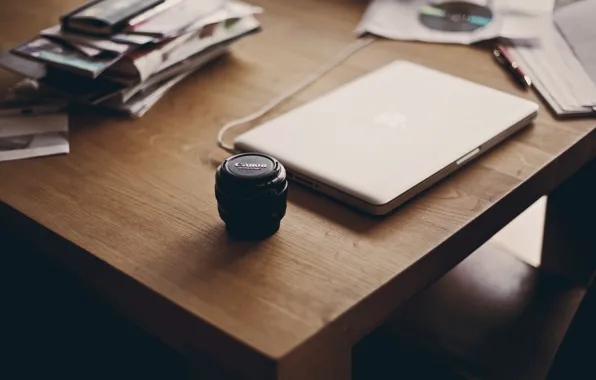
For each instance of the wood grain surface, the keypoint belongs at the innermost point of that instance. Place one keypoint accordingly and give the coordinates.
(132, 208)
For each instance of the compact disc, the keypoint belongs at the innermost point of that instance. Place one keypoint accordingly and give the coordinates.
(455, 16)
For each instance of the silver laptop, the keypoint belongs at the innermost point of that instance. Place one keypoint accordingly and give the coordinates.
(381, 139)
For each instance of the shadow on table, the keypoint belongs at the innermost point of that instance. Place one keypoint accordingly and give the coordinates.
(332, 209)
(221, 251)
(344, 215)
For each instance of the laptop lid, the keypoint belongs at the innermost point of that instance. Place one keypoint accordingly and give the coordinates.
(386, 132)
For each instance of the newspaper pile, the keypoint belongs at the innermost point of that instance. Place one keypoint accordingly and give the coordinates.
(120, 55)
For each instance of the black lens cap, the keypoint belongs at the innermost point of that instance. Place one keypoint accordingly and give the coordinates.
(249, 166)
(251, 190)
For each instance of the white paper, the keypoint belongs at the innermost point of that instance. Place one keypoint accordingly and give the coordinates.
(399, 19)
(178, 17)
(139, 105)
(33, 136)
(191, 64)
(537, 83)
(231, 10)
(557, 74)
(197, 43)
(79, 40)
(530, 6)
(576, 23)
(187, 45)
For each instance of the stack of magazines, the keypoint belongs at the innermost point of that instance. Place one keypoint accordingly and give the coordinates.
(125, 55)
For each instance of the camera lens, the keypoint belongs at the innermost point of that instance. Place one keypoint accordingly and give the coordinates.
(251, 191)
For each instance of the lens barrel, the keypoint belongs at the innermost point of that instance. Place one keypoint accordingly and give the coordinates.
(251, 191)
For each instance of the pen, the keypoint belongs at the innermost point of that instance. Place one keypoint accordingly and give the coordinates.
(504, 59)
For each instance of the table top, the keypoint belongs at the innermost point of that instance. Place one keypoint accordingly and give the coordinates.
(138, 195)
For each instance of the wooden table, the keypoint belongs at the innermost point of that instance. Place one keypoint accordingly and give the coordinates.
(132, 209)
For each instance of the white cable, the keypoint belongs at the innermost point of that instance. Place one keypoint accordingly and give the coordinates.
(346, 53)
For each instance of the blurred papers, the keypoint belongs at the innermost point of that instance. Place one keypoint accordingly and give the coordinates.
(462, 22)
(33, 136)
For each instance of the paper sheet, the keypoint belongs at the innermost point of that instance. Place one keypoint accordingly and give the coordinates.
(400, 19)
(33, 136)
(140, 104)
(557, 73)
(531, 6)
(176, 18)
(191, 64)
(576, 23)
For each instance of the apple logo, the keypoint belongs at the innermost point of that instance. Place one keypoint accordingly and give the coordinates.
(392, 120)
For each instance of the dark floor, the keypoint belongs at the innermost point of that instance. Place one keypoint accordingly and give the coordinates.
(54, 327)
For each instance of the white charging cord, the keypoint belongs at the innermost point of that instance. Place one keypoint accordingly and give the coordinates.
(344, 54)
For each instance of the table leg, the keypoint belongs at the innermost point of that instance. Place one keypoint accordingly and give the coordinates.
(322, 362)
(569, 249)
(569, 246)
(317, 361)
(200, 367)
(312, 361)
